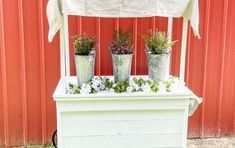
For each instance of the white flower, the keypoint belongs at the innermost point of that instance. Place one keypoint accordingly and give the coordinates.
(102, 86)
(146, 88)
(174, 84)
(129, 89)
(111, 90)
(85, 89)
(95, 87)
(96, 81)
(134, 85)
(161, 87)
(69, 90)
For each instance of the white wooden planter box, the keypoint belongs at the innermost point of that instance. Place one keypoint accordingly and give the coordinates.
(111, 120)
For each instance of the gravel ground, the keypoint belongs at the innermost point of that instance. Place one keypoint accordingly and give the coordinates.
(228, 142)
(212, 143)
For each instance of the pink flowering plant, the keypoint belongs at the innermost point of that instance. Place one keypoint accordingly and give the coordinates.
(122, 43)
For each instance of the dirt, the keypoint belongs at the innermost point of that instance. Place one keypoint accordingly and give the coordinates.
(228, 142)
(212, 143)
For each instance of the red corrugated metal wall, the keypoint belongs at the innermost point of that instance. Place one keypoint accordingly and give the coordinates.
(29, 66)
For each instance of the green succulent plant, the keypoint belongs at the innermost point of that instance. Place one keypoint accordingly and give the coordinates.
(157, 42)
(83, 44)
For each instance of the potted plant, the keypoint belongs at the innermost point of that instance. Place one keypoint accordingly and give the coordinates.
(122, 50)
(84, 53)
(158, 51)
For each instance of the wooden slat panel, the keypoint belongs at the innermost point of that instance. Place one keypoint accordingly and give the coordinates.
(175, 58)
(124, 141)
(144, 24)
(4, 121)
(13, 72)
(23, 72)
(73, 29)
(122, 123)
(222, 71)
(213, 69)
(52, 73)
(195, 67)
(42, 74)
(107, 27)
(228, 88)
(35, 74)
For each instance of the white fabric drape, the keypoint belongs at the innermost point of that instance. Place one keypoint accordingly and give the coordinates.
(121, 8)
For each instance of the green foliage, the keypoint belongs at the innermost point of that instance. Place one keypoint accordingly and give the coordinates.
(139, 81)
(154, 86)
(83, 44)
(122, 43)
(157, 42)
(121, 87)
(75, 88)
(107, 83)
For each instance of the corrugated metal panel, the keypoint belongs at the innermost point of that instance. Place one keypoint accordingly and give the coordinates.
(29, 66)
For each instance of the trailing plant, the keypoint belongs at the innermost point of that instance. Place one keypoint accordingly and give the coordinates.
(122, 43)
(121, 87)
(83, 44)
(157, 42)
(99, 84)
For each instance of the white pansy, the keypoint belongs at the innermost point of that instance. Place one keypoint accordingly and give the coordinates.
(85, 89)
(174, 84)
(129, 89)
(95, 87)
(146, 88)
(96, 81)
(111, 90)
(134, 85)
(161, 87)
(69, 90)
(102, 86)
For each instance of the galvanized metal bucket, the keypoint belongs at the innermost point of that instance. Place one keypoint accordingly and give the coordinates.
(158, 66)
(84, 67)
(122, 66)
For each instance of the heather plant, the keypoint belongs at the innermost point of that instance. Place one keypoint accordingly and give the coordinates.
(83, 44)
(157, 42)
(122, 43)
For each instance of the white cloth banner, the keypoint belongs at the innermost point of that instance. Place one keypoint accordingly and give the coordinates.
(121, 8)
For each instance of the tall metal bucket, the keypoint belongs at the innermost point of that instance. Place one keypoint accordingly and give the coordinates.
(84, 68)
(122, 66)
(158, 66)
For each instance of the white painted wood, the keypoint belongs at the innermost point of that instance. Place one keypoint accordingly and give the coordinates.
(169, 34)
(66, 41)
(62, 52)
(185, 127)
(124, 141)
(183, 49)
(119, 123)
(59, 127)
(169, 27)
(111, 120)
